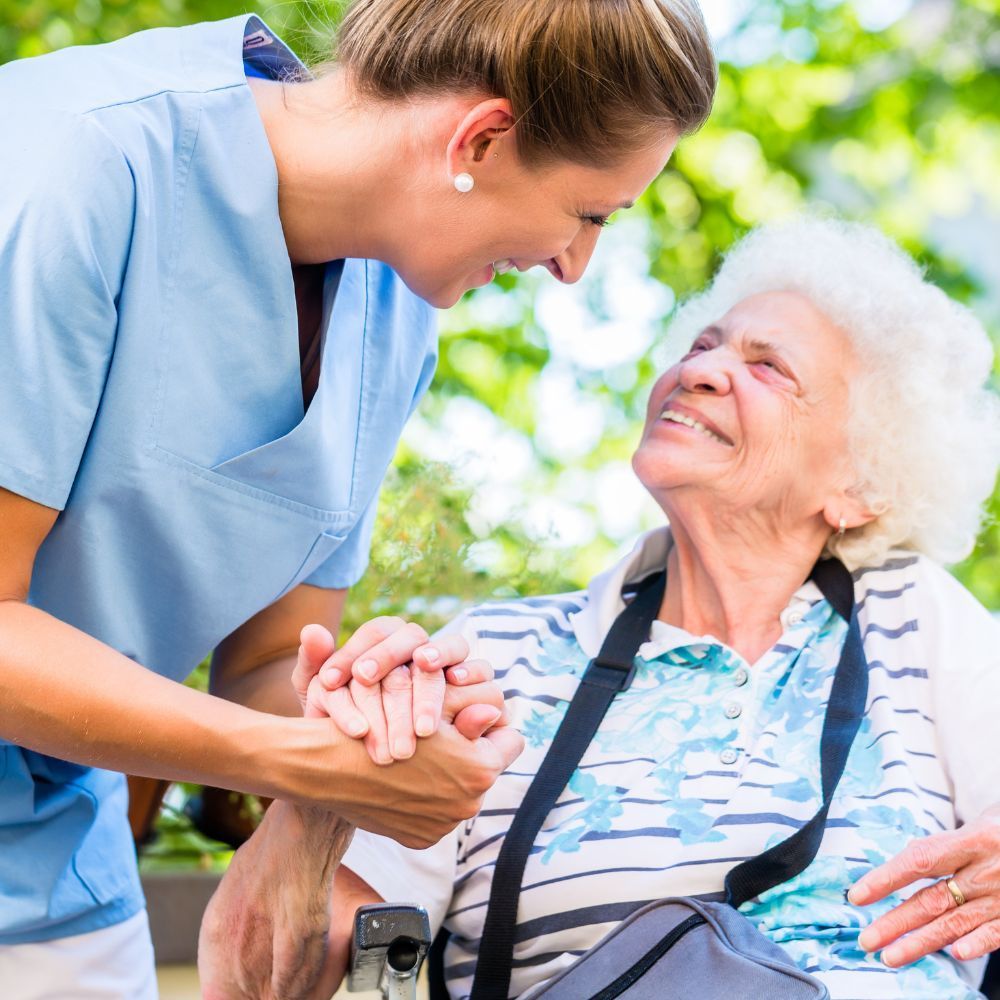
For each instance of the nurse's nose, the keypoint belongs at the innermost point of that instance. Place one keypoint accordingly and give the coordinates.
(569, 266)
(706, 372)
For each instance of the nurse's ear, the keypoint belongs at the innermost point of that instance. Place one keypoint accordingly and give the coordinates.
(478, 136)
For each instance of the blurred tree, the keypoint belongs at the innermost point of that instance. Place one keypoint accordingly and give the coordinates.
(886, 110)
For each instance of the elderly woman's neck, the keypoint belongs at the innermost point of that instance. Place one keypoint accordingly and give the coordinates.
(734, 586)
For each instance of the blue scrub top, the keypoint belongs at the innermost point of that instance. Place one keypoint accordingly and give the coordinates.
(150, 390)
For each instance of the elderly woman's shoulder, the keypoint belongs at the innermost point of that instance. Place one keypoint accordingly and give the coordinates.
(920, 591)
(512, 618)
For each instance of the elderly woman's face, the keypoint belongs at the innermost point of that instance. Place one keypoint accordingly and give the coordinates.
(754, 412)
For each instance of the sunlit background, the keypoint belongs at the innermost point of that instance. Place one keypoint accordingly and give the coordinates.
(514, 475)
(882, 110)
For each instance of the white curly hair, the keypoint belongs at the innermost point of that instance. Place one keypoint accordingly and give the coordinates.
(924, 426)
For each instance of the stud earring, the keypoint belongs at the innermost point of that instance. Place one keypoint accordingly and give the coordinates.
(464, 183)
(842, 527)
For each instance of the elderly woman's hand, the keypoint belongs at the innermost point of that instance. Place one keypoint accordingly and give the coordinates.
(967, 865)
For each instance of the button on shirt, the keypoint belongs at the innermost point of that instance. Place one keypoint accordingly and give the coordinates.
(150, 390)
(677, 788)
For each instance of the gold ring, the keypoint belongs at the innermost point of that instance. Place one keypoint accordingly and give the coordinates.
(956, 893)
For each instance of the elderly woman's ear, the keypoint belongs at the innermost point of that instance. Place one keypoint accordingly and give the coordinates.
(845, 511)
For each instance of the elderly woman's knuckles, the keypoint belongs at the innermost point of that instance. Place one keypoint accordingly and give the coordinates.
(923, 857)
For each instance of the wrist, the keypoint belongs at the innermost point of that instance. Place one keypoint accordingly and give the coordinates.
(306, 762)
(311, 829)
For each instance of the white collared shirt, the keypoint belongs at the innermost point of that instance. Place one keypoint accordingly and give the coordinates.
(706, 761)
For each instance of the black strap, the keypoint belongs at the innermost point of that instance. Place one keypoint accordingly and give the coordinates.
(610, 672)
(844, 712)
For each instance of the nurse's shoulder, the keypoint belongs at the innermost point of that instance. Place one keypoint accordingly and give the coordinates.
(91, 133)
(88, 79)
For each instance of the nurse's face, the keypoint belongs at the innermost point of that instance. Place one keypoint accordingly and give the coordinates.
(520, 217)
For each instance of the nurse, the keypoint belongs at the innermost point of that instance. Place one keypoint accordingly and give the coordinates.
(216, 281)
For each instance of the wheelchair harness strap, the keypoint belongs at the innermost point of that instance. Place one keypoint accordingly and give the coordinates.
(610, 672)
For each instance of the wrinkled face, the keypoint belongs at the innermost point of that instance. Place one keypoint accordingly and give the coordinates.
(753, 416)
(523, 217)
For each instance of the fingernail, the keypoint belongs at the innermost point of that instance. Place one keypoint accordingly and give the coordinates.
(367, 669)
(958, 951)
(431, 655)
(459, 673)
(424, 725)
(890, 957)
(356, 728)
(401, 749)
(331, 676)
(496, 718)
(866, 940)
(383, 756)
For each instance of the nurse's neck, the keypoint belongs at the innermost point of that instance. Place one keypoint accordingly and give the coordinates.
(348, 168)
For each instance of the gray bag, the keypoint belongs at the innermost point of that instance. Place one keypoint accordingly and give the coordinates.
(681, 947)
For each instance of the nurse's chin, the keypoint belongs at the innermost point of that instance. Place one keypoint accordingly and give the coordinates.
(444, 296)
(438, 296)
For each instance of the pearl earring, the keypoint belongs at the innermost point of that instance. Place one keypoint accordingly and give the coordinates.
(464, 183)
(841, 527)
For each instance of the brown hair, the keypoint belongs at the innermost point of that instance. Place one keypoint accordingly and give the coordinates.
(588, 80)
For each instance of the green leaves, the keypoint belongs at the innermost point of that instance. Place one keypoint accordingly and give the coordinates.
(884, 112)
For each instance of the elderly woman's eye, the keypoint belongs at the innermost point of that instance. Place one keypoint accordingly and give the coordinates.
(696, 348)
(597, 220)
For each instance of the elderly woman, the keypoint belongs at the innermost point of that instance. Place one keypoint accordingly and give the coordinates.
(826, 399)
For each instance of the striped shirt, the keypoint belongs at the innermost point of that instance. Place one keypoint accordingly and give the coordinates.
(707, 760)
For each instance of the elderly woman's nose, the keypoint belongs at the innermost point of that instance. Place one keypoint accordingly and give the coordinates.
(705, 372)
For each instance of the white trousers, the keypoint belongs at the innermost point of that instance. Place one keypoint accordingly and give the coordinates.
(114, 963)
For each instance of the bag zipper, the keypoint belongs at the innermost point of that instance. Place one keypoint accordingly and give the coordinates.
(644, 964)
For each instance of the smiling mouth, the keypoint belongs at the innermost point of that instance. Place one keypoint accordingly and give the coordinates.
(675, 417)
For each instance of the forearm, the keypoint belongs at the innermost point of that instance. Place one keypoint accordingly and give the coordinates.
(65, 694)
(267, 688)
(266, 931)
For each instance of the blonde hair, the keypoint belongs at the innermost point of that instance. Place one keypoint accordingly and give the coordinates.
(924, 425)
(588, 80)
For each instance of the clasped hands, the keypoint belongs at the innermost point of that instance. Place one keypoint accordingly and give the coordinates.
(389, 685)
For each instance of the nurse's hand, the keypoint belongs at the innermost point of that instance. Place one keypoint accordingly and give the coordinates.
(398, 685)
(469, 700)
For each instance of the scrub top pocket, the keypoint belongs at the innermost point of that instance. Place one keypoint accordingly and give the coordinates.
(255, 437)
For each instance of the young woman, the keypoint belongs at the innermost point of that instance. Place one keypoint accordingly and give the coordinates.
(216, 280)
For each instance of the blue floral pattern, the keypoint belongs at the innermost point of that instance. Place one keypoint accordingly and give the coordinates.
(668, 727)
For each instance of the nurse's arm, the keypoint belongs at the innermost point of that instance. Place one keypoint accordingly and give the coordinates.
(254, 665)
(64, 693)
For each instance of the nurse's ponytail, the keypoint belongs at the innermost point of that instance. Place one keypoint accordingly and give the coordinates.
(588, 80)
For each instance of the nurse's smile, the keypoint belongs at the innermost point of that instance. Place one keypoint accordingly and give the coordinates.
(217, 274)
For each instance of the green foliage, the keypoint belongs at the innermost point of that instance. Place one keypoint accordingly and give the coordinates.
(898, 123)
(178, 845)
(423, 562)
(893, 117)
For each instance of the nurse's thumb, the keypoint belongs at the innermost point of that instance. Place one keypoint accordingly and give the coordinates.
(316, 645)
